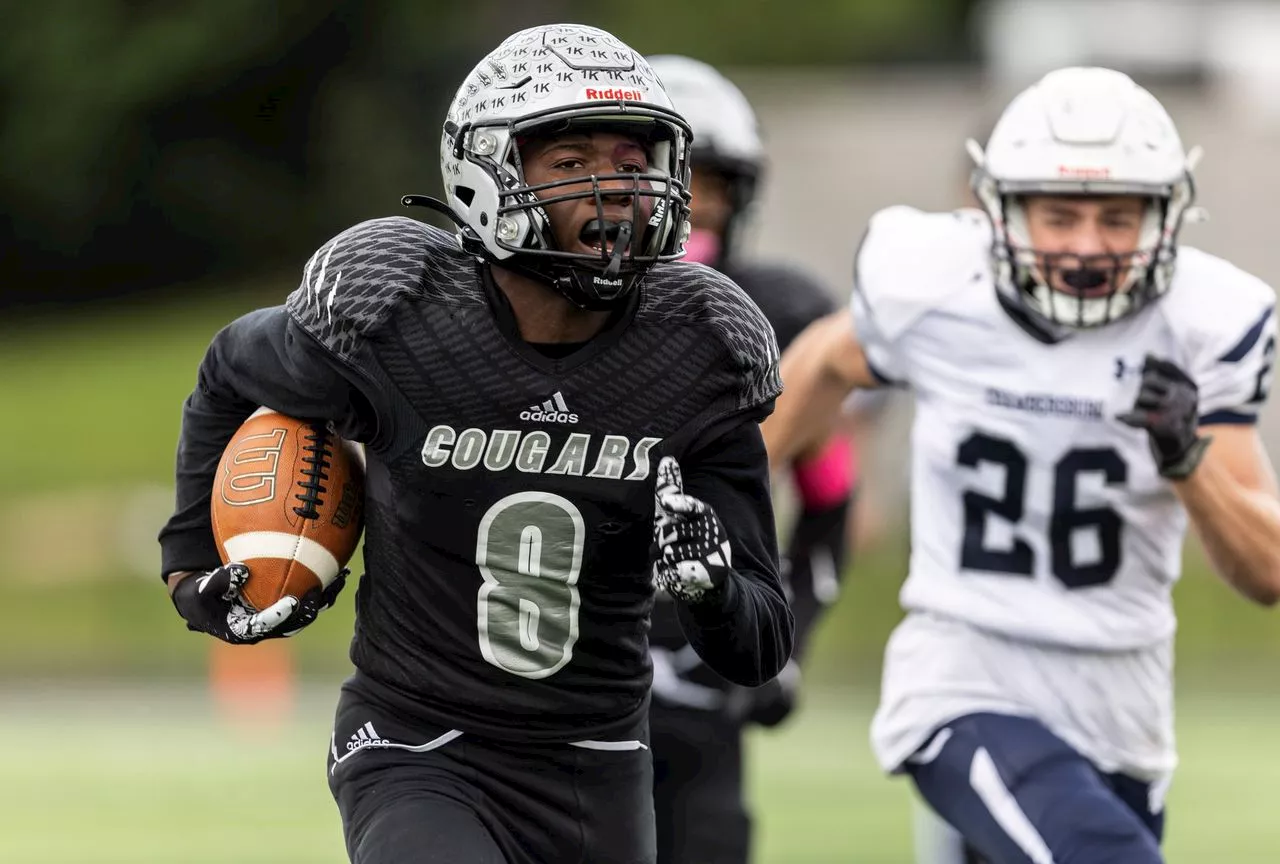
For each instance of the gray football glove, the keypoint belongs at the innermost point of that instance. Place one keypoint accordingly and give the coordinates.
(211, 603)
(1167, 407)
(693, 554)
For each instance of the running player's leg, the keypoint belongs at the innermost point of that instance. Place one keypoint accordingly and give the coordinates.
(406, 793)
(410, 808)
(613, 788)
(1018, 793)
(504, 802)
(697, 792)
(1146, 800)
(936, 841)
(673, 771)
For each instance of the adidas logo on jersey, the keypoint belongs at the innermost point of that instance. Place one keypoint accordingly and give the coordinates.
(365, 736)
(553, 410)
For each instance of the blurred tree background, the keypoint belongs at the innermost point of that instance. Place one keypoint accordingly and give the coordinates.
(149, 144)
(168, 166)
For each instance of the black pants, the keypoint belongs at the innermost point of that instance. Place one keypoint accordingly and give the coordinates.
(697, 787)
(409, 795)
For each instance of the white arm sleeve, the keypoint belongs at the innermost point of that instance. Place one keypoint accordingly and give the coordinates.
(1236, 350)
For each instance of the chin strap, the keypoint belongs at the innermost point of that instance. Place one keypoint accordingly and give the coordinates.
(471, 244)
(619, 247)
(433, 204)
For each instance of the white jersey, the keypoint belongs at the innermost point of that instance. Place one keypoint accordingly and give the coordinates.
(1036, 516)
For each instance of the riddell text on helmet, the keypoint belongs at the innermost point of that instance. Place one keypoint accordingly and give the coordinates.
(615, 93)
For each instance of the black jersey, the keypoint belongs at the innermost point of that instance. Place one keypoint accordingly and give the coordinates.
(790, 301)
(509, 494)
(789, 298)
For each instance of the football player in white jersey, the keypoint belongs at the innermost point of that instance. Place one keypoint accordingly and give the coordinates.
(1083, 384)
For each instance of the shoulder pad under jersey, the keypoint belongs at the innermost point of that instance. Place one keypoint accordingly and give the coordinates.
(686, 293)
(354, 281)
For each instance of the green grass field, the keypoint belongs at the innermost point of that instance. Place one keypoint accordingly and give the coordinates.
(145, 776)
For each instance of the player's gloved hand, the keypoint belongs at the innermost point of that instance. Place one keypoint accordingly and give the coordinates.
(693, 555)
(773, 701)
(1168, 408)
(212, 603)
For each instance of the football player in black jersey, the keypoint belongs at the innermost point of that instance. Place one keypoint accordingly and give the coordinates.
(697, 717)
(558, 416)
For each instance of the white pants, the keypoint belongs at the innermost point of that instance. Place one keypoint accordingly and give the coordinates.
(1114, 708)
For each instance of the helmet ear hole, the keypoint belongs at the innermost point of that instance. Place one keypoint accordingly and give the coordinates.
(465, 194)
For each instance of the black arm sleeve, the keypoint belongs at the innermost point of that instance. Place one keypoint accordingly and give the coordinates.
(745, 633)
(266, 359)
(817, 554)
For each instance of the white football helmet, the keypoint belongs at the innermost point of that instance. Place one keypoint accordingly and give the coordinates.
(726, 134)
(1084, 131)
(557, 78)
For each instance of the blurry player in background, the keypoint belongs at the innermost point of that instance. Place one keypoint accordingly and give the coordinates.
(1083, 384)
(544, 397)
(697, 718)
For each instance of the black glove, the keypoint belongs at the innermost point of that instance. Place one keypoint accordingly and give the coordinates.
(774, 700)
(1168, 408)
(211, 603)
(693, 555)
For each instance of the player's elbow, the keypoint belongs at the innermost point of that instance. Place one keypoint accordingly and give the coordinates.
(1266, 579)
(1266, 592)
(752, 680)
(754, 676)
(1262, 585)
(762, 661)
(775, 651)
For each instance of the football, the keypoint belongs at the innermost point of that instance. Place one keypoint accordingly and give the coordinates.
(288, 501)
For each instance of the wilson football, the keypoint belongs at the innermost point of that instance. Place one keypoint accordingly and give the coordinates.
(288, 501)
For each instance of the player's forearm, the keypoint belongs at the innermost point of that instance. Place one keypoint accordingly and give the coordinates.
(817, 556)
(745, 632)
(818, 371)
(807, 410)
(256, 360)
(171, 580)
(1240, 530)
(209, 420)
